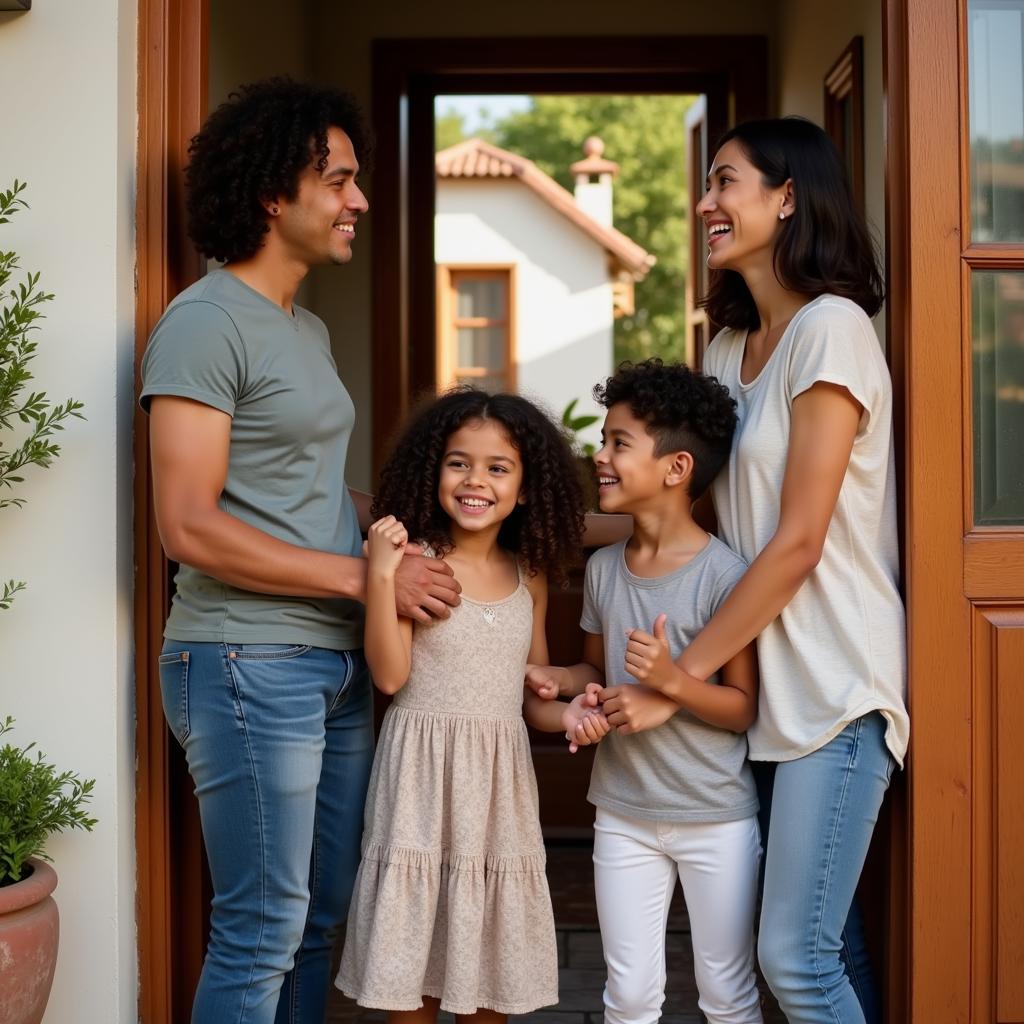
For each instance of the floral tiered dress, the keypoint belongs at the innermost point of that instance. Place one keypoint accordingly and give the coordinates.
(451, 899)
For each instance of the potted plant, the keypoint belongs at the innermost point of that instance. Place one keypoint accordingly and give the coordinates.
(35, 799)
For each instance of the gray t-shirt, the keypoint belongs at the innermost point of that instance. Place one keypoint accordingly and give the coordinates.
(684, 770)
(224, 344)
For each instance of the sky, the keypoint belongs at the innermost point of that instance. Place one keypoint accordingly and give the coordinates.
(470, 106)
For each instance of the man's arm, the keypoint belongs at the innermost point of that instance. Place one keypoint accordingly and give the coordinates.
(190, 444)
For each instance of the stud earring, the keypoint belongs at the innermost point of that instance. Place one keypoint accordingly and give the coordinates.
(274, 210)
(782, 216)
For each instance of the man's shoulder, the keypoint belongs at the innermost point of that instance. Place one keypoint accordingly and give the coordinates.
(205, 301)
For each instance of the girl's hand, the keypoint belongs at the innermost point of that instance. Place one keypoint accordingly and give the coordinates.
(648, 659)
(543, 680)
(385, 545)
(630, 708)
(584, 721)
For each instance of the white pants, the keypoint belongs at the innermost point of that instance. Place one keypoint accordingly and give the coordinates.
(635, 867)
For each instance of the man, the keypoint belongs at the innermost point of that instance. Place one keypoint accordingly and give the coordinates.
(263, 679)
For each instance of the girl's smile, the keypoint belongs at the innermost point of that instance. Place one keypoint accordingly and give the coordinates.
(481, 476)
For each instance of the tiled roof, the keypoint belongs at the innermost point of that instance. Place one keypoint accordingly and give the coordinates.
(475, 158)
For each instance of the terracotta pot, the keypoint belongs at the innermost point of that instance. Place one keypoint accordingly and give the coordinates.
(29, 929)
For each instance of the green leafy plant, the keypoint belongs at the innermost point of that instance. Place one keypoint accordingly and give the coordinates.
(35, 801)
(41, 419)
(575, 424)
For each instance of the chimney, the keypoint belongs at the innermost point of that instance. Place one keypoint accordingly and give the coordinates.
(594, 181)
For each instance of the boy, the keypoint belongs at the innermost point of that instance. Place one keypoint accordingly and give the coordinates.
(671, 784)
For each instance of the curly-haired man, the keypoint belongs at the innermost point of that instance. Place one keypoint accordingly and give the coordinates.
(263, 678)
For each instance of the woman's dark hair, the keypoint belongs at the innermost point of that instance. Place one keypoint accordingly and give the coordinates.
(544, 531)
(683, 411)
(824, 246)
(254, 147)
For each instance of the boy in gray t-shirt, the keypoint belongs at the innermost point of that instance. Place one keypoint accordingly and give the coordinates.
(671, 783)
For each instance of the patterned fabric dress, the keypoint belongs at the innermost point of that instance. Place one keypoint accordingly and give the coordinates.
(451, 899)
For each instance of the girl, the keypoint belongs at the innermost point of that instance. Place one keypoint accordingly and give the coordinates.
(808, 498)
(451, 908)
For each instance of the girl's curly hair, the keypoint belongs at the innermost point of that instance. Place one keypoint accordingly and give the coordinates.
(684, 412)
(254, 147)
(544, 532)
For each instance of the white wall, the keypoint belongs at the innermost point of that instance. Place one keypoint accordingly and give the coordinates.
(68, 79)
(563, 295)
(811, 36)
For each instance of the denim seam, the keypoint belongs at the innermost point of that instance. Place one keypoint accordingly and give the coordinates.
(295, 651)
(346, 685)
(828, 867)
(259, 814)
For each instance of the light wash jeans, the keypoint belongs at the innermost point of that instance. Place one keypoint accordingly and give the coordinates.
(636, 863)
(823, 809)
(279, 743)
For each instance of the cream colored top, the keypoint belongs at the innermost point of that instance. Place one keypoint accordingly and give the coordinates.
(838, 649)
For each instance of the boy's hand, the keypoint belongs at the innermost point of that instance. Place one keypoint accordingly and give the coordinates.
(630, 708)
(543, 680)
(648, 659)
(583, 720)
(385, 545)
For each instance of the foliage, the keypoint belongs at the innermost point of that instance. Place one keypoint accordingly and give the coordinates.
(35, 801)
(19, 313)
(646, 136)
(574, 424)
(450, 128)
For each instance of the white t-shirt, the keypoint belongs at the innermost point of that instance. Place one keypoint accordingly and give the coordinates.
(838, 649)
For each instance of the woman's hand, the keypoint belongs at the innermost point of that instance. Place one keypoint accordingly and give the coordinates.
(385, 545)
(584, 720)
(630, 708)
(648, 659)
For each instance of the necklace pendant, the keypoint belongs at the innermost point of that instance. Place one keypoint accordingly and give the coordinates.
(489, 615)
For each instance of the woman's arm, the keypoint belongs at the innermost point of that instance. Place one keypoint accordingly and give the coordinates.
(823, 430)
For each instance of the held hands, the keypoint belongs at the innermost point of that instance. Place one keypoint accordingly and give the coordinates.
(584, 719)
(385, 545)
(629, 708)
(648, 659)
(424, 587)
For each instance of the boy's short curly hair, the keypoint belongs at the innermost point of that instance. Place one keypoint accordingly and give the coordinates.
(683, 411)
(255, 146)
(544, 532)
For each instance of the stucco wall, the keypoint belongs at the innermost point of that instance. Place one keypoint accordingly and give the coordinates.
(563, 295)
(68, 79)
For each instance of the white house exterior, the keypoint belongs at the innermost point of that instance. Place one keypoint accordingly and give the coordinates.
(556, 257)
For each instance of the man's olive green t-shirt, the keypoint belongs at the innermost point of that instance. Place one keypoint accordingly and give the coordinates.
(225, 345)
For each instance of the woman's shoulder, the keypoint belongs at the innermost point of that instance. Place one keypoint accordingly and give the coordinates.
(727, 340)
(834, 312)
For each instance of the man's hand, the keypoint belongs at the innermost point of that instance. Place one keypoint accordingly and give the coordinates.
(584, 720)
(648, 659)
(424, 587)
(544, 680)
(630, 708)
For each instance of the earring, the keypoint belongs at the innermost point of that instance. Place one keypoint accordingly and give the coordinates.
(782, 216)
(274, 210)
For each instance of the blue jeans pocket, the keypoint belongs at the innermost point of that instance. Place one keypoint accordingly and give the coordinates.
(174, 692)
(266, 652)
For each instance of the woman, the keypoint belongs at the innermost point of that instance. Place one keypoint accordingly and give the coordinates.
(809, 499)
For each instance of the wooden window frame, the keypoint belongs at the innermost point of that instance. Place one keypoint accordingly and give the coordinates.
(447, 370)
(844, 84)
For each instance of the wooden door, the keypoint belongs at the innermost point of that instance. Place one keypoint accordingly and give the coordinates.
(956, 223)
(698, 327)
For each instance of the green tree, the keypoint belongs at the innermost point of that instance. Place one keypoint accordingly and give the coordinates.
(645, 136)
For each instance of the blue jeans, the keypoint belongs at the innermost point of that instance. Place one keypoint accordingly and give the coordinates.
(279, 743)
(821, 812)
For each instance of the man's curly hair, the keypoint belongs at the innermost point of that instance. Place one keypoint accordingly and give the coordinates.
(254, 147)
(544, 532)
(684, 412)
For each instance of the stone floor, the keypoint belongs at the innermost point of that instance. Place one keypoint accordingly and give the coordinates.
(581, 967)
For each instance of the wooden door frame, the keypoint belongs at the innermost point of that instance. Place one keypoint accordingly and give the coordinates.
(172, 76)
(934, 832)
(408, 73)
